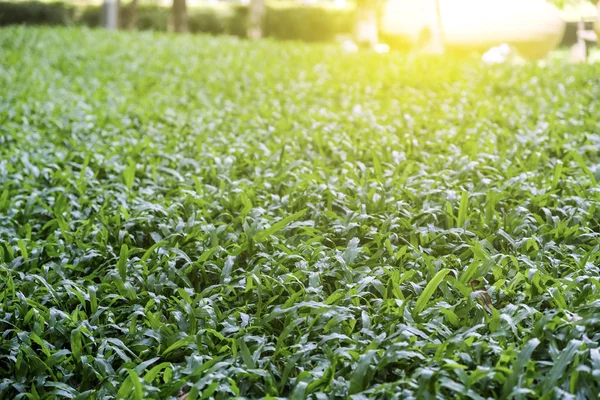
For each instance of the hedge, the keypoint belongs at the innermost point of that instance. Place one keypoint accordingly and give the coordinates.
(308, 23)
(35, 13)
(295, 22)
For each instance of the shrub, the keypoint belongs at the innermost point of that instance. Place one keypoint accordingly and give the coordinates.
(34, 13)
(89, 16)
(237, 22)
(210, 20)
(149, 17)
(152, 18)
(309, 23)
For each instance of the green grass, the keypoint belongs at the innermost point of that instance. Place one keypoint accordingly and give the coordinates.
(224, 218)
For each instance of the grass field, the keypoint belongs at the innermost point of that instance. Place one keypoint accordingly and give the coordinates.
(208, 217)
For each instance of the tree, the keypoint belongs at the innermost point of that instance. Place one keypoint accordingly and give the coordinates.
(256, 14)
(597, 24)
(179, 16)
(132, 21)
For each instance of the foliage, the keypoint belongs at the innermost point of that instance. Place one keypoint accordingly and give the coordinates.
(149, 17)
(283, 21)
(309, 23)
(34, 13)
(186, 214)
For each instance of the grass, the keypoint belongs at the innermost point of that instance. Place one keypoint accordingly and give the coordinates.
(208, 217)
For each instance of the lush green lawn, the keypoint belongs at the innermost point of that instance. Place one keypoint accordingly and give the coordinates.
(226, 218)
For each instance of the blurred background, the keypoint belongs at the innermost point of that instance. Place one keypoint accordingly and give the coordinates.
(435, 25)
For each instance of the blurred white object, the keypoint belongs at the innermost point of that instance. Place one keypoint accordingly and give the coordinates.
(533, 27)
(349, 46)
(367, 30)
(381, 48)
(579, 51)
(498, 54)
(578, 54)
(588, 36)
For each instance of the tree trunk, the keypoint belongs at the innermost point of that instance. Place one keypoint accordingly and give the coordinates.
(256, 13)
(179, 16)
(597, 24)
(366, 29)
(132, 22)
(111, 14)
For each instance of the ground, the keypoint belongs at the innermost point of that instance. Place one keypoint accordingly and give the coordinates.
(215, 217)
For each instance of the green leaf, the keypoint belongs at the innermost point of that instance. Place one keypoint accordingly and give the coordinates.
(149, 252)
(122, 263)
(462, 210)
(76, 346)
(299, 392)
(276, 227)
(519, 365)
(129, 175)
(179, 344)
(428, 291)
(451, 315)
(23, 248)
(93, 299)
(125, 389)
(246, 356)
(560, 365)
(151, 375)
(41, 343)
(358, 381)
(138, 391)
(557, 173)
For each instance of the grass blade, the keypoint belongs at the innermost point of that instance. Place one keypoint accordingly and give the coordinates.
(562, 363)
(519, 365)
(276, 227)
(122, 263)
(428, 291)
(138, 391)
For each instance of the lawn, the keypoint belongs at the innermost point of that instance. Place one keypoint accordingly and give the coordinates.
(210, 217)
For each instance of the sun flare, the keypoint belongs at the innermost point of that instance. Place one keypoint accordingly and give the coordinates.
(533, 25)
